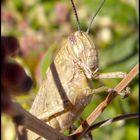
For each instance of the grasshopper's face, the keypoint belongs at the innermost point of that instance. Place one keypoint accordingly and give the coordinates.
(84, 51)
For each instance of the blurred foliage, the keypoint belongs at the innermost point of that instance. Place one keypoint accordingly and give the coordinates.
(41, 25)
(14, 82)
(8, 128)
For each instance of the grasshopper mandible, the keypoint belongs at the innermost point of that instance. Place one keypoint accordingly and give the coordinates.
(66, 91)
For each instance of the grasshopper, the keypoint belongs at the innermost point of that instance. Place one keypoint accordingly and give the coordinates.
(67, 89)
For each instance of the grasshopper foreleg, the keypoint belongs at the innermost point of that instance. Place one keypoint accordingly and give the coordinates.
(111, 75)
(126, 91)
(124, 94)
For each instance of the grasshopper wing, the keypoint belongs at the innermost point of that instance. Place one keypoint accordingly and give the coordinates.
(52, 94)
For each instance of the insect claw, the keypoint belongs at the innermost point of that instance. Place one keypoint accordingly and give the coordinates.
(126, 92)
(124, 95)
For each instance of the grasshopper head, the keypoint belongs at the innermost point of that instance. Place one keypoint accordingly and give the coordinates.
(83, 47)
(84, 51)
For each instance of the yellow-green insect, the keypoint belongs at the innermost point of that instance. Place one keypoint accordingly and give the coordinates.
(66, 90)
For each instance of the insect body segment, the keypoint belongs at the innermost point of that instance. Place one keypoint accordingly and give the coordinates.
(69, 90)
(85, 52)
(66, 90)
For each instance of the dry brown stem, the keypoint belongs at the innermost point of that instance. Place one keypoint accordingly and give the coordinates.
(79, 132)
(111, 120)
(38, 126)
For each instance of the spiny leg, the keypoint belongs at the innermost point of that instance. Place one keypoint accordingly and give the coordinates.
(124, 94)
(100, 89)
(111, 75)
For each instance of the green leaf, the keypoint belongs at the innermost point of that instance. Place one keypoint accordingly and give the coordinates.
(119, 52)
(49, 55)
(113, 9)
(47, 59)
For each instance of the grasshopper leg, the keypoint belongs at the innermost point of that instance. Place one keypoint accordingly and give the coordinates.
(124, 94)
(44, 116)
(103, 89)
(111, 75)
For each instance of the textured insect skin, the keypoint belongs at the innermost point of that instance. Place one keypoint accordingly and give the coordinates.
(67, 90)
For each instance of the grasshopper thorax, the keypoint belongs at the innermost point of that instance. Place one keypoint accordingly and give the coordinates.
(84, 52)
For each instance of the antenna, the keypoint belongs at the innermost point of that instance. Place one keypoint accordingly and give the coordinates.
(100, 6)
(76, 15)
